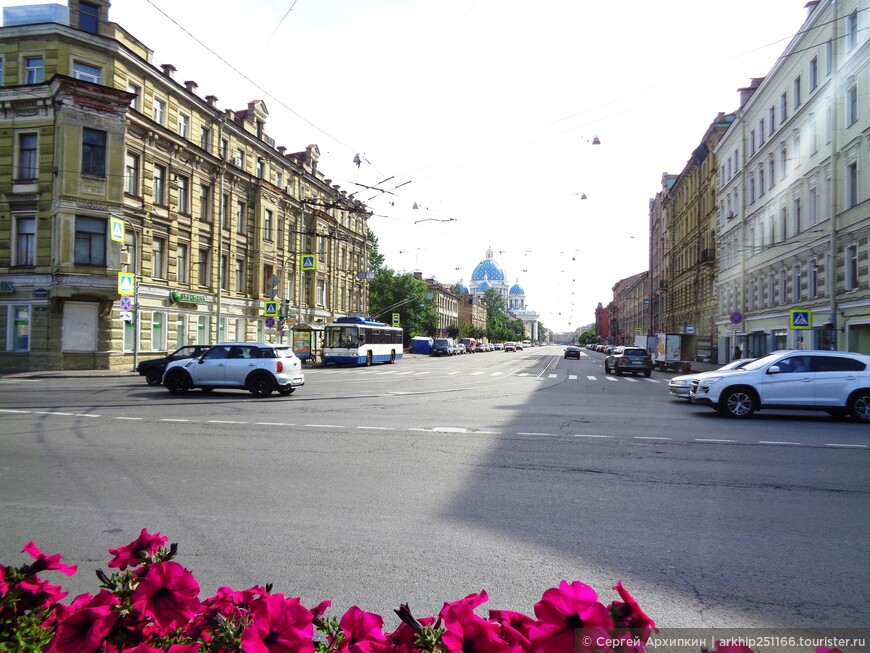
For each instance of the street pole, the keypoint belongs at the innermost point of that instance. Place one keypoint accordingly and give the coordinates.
(136, 277)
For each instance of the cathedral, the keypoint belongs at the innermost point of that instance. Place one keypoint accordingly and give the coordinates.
(489, 274)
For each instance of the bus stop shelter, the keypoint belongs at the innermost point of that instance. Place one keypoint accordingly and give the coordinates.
(307, 341)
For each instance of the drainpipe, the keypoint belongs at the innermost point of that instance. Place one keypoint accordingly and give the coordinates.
(835, 166)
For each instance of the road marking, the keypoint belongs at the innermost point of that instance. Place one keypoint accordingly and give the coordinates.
(452, 373)
(651, 380)
(376, 428)
(476, 373)
(713, 440)
(611, 378)
(530, 433)
(591, 378)
(168, 419)
(273, 424)
(523, 374)
(496, 374)
(86, 415)
(631, 380)
(325, 426)
(130, 419)
(577, 435)
(422, 373)
(48, 412)
(846, 446)
(223, 421)
(649, 437)
(551, 376)
(9, 410)
(572, 377)
(403, 373)
(777, 442)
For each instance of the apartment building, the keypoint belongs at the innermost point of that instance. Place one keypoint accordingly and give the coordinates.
(213, 219)
(794, 174)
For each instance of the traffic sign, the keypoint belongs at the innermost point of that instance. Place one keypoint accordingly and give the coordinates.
(270, 309)
(126, 283)
(270, 322)
(309, 262)
(396, 319)
(126, 303)
(126, 316)
(736, 317)
(800, 319)
(117, 228)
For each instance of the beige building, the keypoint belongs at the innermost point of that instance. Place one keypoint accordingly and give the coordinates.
(216, 223)
(628, 312)
(446, 301)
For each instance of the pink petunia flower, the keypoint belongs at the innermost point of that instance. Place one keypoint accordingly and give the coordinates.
(167, 594)
(570, 618)
(515, 626)
(39, 593)
(279, 625)
(86, 628)
(363, 632)
(4, 586)
(47, 562)
(402, 639)
(465, 632)
(134, 553)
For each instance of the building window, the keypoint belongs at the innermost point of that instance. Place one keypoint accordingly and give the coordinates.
(752, 142)
(321, 292)
(813, 207)
(159, 111)
(783, 108)
(260, 168)
(224, 272)
(202, 330)
(771, 171)
(796, 149)
(1, 71)
(783, 162)
(761, 132)
(796, 283)
(183, 126)
(225, 211)
(829, 57)
(240, 276)
(814, 74)
(182, 263)
(240, 217)
(204, 267)
(797, 215)
(87, 73)
(225, 149)
(131, 174)
(135, 89)
(205, 138)
(761, 180)
(90, 241)
(797, 92)
(771, 118)
(813, 280)
(279, 176)
(158, 331)
(205, 202)
(159, 185)
(852, 30)
(130, 242)
(852, 102)
(34, 70)
(183, 193)
(782, 295)
(852, 267)
(852, 185)
(93, 152)
(27, 156)
(783, 224)
(267, 224)
(25, 240)
(158, 258)
(18, 334)
(752, 190)
(814, 134)
(89, 17)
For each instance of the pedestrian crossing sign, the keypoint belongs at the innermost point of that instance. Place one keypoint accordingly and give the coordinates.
(126, 283)
(800, 319)
(270, 309)
(309, 262)
(117, 228)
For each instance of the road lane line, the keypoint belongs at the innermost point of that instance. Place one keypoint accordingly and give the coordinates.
(777, 442)
(324, 426)
(591, 378)
(650, 437)
(9, 410)
(223, 421)
(49, 412)
(131, 419)
(169, 419)
(476, 373)
(86, 415)
(273, 424)
(376, 428)
(713, 440)
(577, 435)
(611, 378)
(530, 433)
(631, 380)
(452, 373)
(551, 376)
(846, 446)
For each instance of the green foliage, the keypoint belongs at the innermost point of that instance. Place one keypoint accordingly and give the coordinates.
(376, 259)
(587, 337)
(390, 293)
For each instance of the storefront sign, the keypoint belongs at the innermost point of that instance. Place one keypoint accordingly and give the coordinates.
(187, 297)
(6, 286)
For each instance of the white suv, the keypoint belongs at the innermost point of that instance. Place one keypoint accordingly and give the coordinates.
(832, 381)
(258, 367)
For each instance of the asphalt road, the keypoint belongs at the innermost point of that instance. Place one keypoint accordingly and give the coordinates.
(427, 480)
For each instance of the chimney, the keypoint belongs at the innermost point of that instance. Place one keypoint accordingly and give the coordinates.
(211, 99)
(191, 85)
(418, 274)
(168, 70)
(748, 91)
(811, 7)
(282, 149)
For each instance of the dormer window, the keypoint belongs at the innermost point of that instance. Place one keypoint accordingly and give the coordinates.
(89, 17)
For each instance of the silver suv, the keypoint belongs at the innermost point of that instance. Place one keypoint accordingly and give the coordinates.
(258, 367)
(832, 381)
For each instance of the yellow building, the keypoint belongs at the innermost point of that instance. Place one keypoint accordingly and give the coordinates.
(217, 220)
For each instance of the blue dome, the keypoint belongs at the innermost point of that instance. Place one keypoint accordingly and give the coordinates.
(483, 287)
(462, 288)
(516, 289)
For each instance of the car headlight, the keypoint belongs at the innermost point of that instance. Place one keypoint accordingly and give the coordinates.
(710, 380)
(680, 382)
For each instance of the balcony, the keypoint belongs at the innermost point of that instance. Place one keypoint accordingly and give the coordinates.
(708, 256)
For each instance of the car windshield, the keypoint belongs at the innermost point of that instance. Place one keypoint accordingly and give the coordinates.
(763, 361)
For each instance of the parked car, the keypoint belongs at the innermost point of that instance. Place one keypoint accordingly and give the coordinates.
(460, 348)
(572, 352)
(628, 359)
(832, 381)
(499, 346)
(258, 367)
(443, 347)
(519, 346)
(153, 368)
(510, 346)
(679, 386)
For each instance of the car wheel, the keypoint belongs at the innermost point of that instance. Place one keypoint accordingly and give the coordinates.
(177, 383)
(737, 403)
(153, 376)
(647, 373)
(859, 406)
(260, 385)
(286, 391)
(606, 369)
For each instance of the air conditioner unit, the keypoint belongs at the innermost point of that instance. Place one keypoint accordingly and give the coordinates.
(125, 258)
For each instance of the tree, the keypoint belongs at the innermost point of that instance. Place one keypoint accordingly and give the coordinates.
(376, 259)
(391, 293)
(496, 314)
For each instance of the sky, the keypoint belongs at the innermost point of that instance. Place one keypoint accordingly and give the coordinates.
(483, 112)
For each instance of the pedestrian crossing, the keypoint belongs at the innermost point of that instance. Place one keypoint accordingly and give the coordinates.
(394, 371)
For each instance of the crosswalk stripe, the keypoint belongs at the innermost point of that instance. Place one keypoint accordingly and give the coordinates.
(552, 376)
(573, 377)
(592, 378)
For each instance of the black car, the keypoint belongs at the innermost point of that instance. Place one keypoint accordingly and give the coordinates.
(153, 368)
(572, 352)
(628, 359)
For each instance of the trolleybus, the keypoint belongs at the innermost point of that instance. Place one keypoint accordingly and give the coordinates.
(361, 341)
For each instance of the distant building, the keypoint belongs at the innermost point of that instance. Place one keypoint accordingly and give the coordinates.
(488, 274)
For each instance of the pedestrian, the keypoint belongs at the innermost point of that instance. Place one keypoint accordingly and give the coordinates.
(737, 352)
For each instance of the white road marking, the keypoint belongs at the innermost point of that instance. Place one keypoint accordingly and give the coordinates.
(631, 379)
(376, 428)
(649, 437)
(9, 410)
(591, 378)
(577, 435)
(573, 377)
(130, 419)
(223, 421)
(713, 440)
(529, 433)
(452, 373)
(86, 415)
(476, 373)
(273, 424)
(551, 376)
(496, 374)
(169, 419)
(777, 442)
(846, 446)
(325, 426)
(611, 378)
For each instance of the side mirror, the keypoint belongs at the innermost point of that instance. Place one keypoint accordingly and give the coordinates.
(773, 369)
